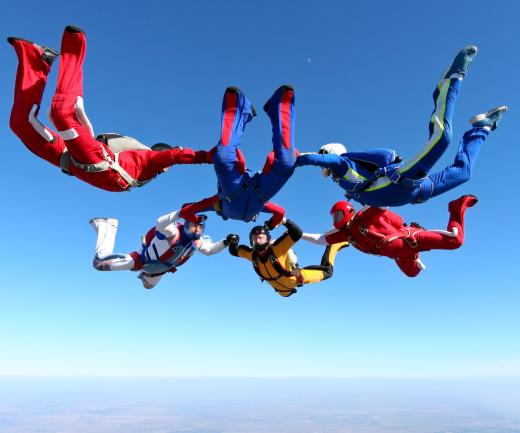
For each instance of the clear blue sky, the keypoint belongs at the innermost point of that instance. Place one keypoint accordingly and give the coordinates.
(364, 73)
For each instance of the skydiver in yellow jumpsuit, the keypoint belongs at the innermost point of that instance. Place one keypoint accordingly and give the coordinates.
(274, 262)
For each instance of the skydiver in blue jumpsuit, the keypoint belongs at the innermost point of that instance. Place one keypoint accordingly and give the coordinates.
(379, 177)
(242, 195)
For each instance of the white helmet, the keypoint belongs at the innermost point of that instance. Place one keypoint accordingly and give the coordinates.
(334, 148)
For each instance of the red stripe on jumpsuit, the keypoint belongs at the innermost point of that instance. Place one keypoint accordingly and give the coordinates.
(285, 117)
(230, 111)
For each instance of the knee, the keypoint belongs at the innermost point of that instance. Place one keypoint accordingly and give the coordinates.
(446, 135)
(462, 174)
(328, 271)
(100, 265)
(19, 122)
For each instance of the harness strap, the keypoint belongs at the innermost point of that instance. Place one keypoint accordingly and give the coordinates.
(282, 272)
(101, 166)
(124, 174)
(65, 161)
(407, 235)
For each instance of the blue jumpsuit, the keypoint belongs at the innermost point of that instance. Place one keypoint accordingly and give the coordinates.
(378, 178)
(242, 195)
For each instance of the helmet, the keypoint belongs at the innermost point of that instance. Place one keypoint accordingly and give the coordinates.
(258, 230)
(190, 228)
(342, 212)
(334, 148)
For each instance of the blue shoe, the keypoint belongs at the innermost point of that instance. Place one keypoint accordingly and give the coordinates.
(489, 119)
(461, 62)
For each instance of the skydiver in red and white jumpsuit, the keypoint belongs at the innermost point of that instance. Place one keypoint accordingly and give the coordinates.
(74, 145)
(378, 231)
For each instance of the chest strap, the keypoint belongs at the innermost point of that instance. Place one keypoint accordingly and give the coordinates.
(66, 159)
(282, 272)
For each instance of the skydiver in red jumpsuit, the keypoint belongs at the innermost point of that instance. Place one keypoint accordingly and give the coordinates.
(378, 231)
(74, 147)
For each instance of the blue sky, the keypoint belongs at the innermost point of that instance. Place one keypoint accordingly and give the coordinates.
(363, 75)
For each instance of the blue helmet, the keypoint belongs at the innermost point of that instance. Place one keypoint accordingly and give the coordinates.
(189, 230)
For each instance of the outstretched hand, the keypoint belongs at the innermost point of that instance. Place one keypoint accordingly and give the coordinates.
(231, 239)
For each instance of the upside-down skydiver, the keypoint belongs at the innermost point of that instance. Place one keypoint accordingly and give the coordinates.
(109, 161)
(242, 195)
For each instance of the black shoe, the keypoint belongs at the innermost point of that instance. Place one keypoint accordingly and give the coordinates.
(12, 39)
(282, 87)
(233, 89)
(159, 147)
(74, 29)
(48, 54)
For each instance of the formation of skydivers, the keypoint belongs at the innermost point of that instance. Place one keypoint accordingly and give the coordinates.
(376, 178)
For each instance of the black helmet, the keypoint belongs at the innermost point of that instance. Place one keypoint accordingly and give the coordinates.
(258, 230)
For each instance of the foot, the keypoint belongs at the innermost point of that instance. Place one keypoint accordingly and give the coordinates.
(74, 29)
(459, 206)
(234, 89)
(161, 146)
(48, 54)
(461, 62)
(283, 87)
(94, 222)
(490, 119)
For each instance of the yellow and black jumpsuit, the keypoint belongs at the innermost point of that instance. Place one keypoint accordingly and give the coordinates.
(274, 266)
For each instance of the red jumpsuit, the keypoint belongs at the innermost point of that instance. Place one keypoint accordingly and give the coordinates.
(77, 138)
(382, 232)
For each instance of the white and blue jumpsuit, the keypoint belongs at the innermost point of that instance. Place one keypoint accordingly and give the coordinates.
(164, 248)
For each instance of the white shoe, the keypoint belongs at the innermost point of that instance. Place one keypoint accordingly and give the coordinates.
(94, 222)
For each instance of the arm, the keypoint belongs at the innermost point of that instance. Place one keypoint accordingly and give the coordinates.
(241, 251)
(209, 248)
(165, 224)
(277, 211)
(288, 239)
(330, 161)
(189, 211)
(314, 238)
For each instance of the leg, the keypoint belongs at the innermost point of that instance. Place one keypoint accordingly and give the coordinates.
(104, 259)
(440, 131)
(228, 161)
(314, 274)
(67, 111)
(409, 266)
(460, 171)
(281, 161)
(34, 64)
(146, 164)
(440, 123)
(189, 210)
(453, 238)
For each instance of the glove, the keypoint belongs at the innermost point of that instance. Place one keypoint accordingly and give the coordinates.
(231, 239)
(267, 225)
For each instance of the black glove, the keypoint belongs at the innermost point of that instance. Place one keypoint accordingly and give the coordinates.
(414, 224)
(231, 239)
(267, 225)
